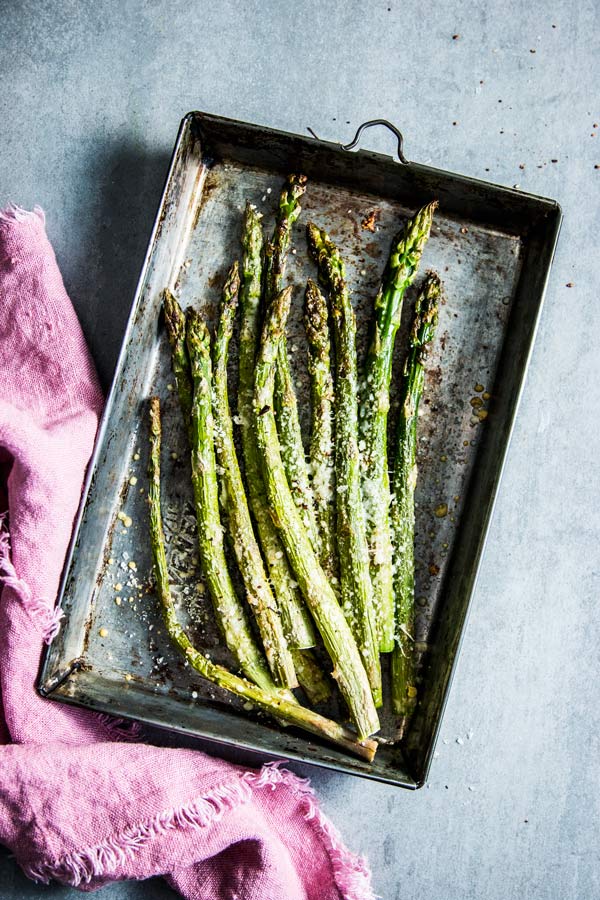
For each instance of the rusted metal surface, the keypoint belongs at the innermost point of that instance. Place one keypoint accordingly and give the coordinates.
(491, 246)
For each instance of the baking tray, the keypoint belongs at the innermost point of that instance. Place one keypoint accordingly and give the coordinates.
(493, 247)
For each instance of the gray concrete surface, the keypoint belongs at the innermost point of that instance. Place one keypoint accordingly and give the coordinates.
(90, 103)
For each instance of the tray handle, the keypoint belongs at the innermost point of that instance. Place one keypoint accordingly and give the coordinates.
(395, 131)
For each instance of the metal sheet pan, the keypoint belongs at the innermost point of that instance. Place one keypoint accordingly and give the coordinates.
(493, 248)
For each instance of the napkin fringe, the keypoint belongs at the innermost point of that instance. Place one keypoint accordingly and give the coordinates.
(14, 213)
(49, 617)
(350, 871)
(103, 859)
(121, 729)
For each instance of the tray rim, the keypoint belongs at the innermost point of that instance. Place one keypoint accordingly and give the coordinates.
(196, 115)
(96, 704)
(52, 676)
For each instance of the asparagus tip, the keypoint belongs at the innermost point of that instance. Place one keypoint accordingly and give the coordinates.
(251, 213)
(232, 283)
(174, 316)
(426, 311)
(196, 328)
(154, 416)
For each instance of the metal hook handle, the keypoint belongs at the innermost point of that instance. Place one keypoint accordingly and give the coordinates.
(395, 131)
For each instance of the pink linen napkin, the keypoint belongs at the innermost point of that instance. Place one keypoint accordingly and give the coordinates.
(76, 803)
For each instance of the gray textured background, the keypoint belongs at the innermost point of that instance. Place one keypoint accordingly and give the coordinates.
(90, 102)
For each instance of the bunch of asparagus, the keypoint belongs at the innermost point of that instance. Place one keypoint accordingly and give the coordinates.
(324, 545)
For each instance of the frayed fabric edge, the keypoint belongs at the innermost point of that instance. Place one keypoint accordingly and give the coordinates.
(14, 213)
(103, 859)
(350, 872)
(121, 729)
(47, 615)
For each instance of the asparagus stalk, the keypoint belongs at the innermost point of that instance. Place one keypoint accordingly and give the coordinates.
(321, 600)
(234, 503)
(288, 422)
(321, 437)
(229, 611)
(404, 691)
(276, 251)
(401, 268)
(295, 616)
(276, 703)
(180, 361)
(356, 588)
(292, 448)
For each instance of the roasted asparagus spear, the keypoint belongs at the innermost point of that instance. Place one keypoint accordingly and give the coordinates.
(229, 611)
(288, 422)
(276, 703)
(356, 588)
(180, 361)
(404, 691)
(401, 268)
(234, 503)
(295, 616)
(329, 618)
(321, 437)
